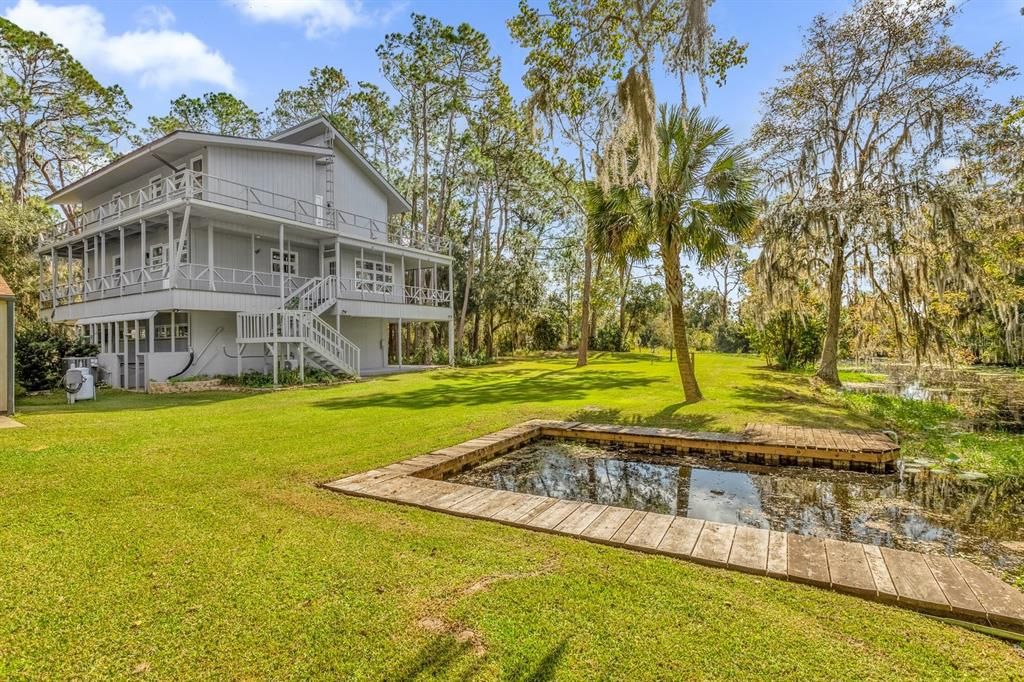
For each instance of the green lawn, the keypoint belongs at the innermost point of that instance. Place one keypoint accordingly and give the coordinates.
(183, 536)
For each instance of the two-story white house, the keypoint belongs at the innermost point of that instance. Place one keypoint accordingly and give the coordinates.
(209, 254)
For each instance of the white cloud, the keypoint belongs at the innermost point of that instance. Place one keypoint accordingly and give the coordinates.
(317, 17)
(154, 16)
(154, 54)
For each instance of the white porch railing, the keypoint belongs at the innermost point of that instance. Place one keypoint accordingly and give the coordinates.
(187, 184)
(306, 293)
(362, 290)
(132, 281)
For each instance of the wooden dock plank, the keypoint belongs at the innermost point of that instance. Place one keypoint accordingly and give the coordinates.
(471, 504)
(914, 581)
(808, 562)
(555, 514)
(497, 504)
(1002, 603)
(449, 500)
(681, 536)
(529, 516)
(958, 593)
(525, 504)
(605, 525)
(884, 587)
(714, 543)
(848, 568)
(650, 531)
(628, 526)
(778, 554)
(579, 520)
(750, 550)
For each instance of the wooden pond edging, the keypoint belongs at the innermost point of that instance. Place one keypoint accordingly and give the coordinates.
(951, 588)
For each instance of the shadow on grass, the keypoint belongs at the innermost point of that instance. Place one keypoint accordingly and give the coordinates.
(665, 418)
(441, 657)
(506, 387)
(115, 400)
(446, 656)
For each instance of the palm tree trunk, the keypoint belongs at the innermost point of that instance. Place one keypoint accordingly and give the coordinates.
(588, 262)
(674, 287)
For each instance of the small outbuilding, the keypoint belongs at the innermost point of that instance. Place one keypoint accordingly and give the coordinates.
(6, 349)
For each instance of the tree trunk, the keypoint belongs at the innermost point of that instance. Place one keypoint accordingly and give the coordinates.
(674, 286)
(828, 370)
(725, 293)
(470, 258)
(588, 265)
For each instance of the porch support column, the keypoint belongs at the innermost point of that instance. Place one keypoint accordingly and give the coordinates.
(451, 341)
(120, 273)
(85, 266)
(451, 289)
(280, 277)
(142, 255)
(173, 333)
(252, 259)
(172, 258)
(139, 378)
(69, 277)
(399, 343)
(152, 334)
(209, 255)
(274, 353)
(53, 277)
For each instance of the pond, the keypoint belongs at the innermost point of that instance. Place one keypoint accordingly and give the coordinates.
(990, 400)
(967, 516)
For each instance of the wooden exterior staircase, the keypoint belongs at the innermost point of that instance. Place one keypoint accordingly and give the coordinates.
(298, 321)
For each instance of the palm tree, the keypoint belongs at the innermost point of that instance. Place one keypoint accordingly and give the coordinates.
(704, 201)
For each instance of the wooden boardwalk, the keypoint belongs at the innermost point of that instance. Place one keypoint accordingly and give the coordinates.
(948, 587)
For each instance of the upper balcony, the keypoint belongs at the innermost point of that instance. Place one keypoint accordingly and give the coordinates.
(203, 189)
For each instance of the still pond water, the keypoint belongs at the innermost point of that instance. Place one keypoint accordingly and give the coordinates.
(975, 518)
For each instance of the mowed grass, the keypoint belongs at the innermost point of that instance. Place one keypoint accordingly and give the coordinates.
(184, 536)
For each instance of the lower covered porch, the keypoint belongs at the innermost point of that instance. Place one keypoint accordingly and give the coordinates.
(162, 345)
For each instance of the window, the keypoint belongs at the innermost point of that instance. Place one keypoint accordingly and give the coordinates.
(162, 331)
(157, 256)
(181, 329)
(288, 264)
(116, 267)
(375, 276)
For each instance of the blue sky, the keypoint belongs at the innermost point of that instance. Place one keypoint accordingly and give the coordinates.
(254, 48)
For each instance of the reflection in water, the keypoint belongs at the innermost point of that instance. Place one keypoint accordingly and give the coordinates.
(925, 512)
(989, 400)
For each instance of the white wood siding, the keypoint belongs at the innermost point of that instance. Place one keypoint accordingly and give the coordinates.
(288, 174)
(355, 192)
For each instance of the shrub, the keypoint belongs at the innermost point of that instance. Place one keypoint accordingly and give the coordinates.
(285, 377)
(40, 346)
(789, 341)
(476, 359)
(609, 338)
(547, 334)
(731, 338)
